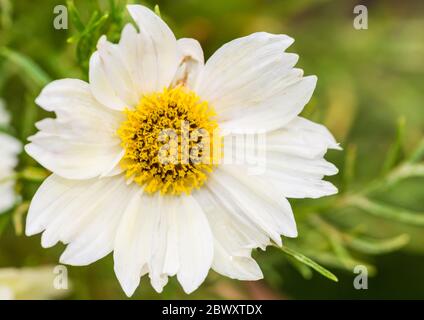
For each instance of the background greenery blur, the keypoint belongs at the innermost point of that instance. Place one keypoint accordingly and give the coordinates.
(370, 94)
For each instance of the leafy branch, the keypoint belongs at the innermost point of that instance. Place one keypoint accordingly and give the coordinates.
(329, 243)
(101, 22)
(308, 262)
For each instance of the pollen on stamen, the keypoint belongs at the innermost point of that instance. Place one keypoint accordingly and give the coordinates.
(170, 140)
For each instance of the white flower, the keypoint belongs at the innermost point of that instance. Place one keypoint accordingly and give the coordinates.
(108, 192)
(29, 283)
(9, 150)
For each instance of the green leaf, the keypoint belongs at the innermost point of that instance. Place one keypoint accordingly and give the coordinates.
(117, 8)
(303, 269)
(339, 249)
(28, 67)
(403, 171)
(375, 247)
(88, 38)
(407, 170)
(335, 237)
(101, 22)
(75, 16)
(157, 10)
(332, 260)
(388, 212)
(418, 153)
(312, 264)
(395, 152)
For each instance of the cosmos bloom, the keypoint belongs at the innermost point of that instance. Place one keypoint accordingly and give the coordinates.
(111, 192)
(9, 150)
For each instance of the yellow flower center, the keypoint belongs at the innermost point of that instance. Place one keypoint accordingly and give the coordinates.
(168, 141)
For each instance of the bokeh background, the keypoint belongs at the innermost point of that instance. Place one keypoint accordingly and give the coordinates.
(370, 94)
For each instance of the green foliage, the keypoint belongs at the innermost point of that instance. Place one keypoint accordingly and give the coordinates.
(101, 22)
(36, 76)
(308, 262)
(388, 212)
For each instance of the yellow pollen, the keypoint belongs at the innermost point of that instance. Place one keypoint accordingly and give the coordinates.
(168, 140)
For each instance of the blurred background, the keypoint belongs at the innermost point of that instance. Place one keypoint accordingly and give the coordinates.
(370, 94)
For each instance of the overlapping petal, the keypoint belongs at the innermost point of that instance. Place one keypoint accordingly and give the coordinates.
(252, 200)
(234, 238)
(81, 143)
(253, 85)
(290, 160)
(191, 63)
(84, 214)
(144, 61)
(156, 236)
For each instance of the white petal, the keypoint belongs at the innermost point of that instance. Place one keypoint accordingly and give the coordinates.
(84, 214)
(163, 237)
(134, 241)
(142, 62)
(132, 49)
(274, 112)
(171, 260)
(158, 57)
(214, 199)
(147, 241)
(96, 237)
(191, 63)
(252, 84)
(302, 137)
(290, 184)
(53, 188)
(101, 87)
(257, 202)
(237, 267)
(110, 77)
(8, 197)
(81, 143)
(195, 244)
(165, 259)
(290, 159)
(233, 240)
(9, 150)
